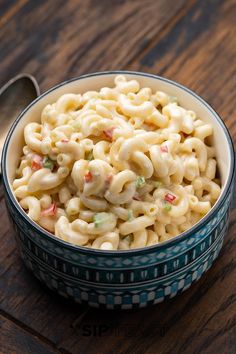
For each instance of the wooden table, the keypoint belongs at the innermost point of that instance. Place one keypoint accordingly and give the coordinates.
(192, 42)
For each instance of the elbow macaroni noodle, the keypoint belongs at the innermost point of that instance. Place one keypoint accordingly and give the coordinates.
(116, 169)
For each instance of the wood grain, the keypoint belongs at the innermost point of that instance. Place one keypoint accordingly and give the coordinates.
(192, 42)
(74, 37)
(15, 340)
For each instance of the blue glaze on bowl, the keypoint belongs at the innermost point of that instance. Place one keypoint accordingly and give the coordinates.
(121, 279)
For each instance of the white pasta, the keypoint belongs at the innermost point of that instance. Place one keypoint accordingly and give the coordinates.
(116, 169)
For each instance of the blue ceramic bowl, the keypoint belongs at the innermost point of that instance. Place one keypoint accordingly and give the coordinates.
(121, 279)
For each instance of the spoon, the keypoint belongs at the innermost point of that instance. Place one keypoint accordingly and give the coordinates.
(15, 96)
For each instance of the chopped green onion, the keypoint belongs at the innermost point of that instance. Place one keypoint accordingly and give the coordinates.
(167, 206)
(140, 181)
(130, 215)
(157, 184)
(100, 218)
(48, 163)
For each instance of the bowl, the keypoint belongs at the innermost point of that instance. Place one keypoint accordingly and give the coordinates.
(120, 279)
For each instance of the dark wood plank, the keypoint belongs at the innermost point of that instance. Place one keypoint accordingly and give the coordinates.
(63, 39)
(9, 8)
(15, 340)
(198, 50)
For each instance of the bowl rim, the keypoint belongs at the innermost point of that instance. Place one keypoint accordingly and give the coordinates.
(120, 253)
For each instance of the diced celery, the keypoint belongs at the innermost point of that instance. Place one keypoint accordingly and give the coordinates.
(167, 206)
(140, 181)
(100, 218)
(48, 163)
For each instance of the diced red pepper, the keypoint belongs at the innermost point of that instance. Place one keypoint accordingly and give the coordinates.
(65, 140)
(109, 133)
(51, 211)
(170, 198)
(164, 148)
(88, 177)
(37, 162)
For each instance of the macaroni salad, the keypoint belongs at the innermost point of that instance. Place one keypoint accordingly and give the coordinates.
(119, 168)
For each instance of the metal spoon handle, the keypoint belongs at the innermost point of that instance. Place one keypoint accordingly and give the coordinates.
(19, 77)
(15, 96)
